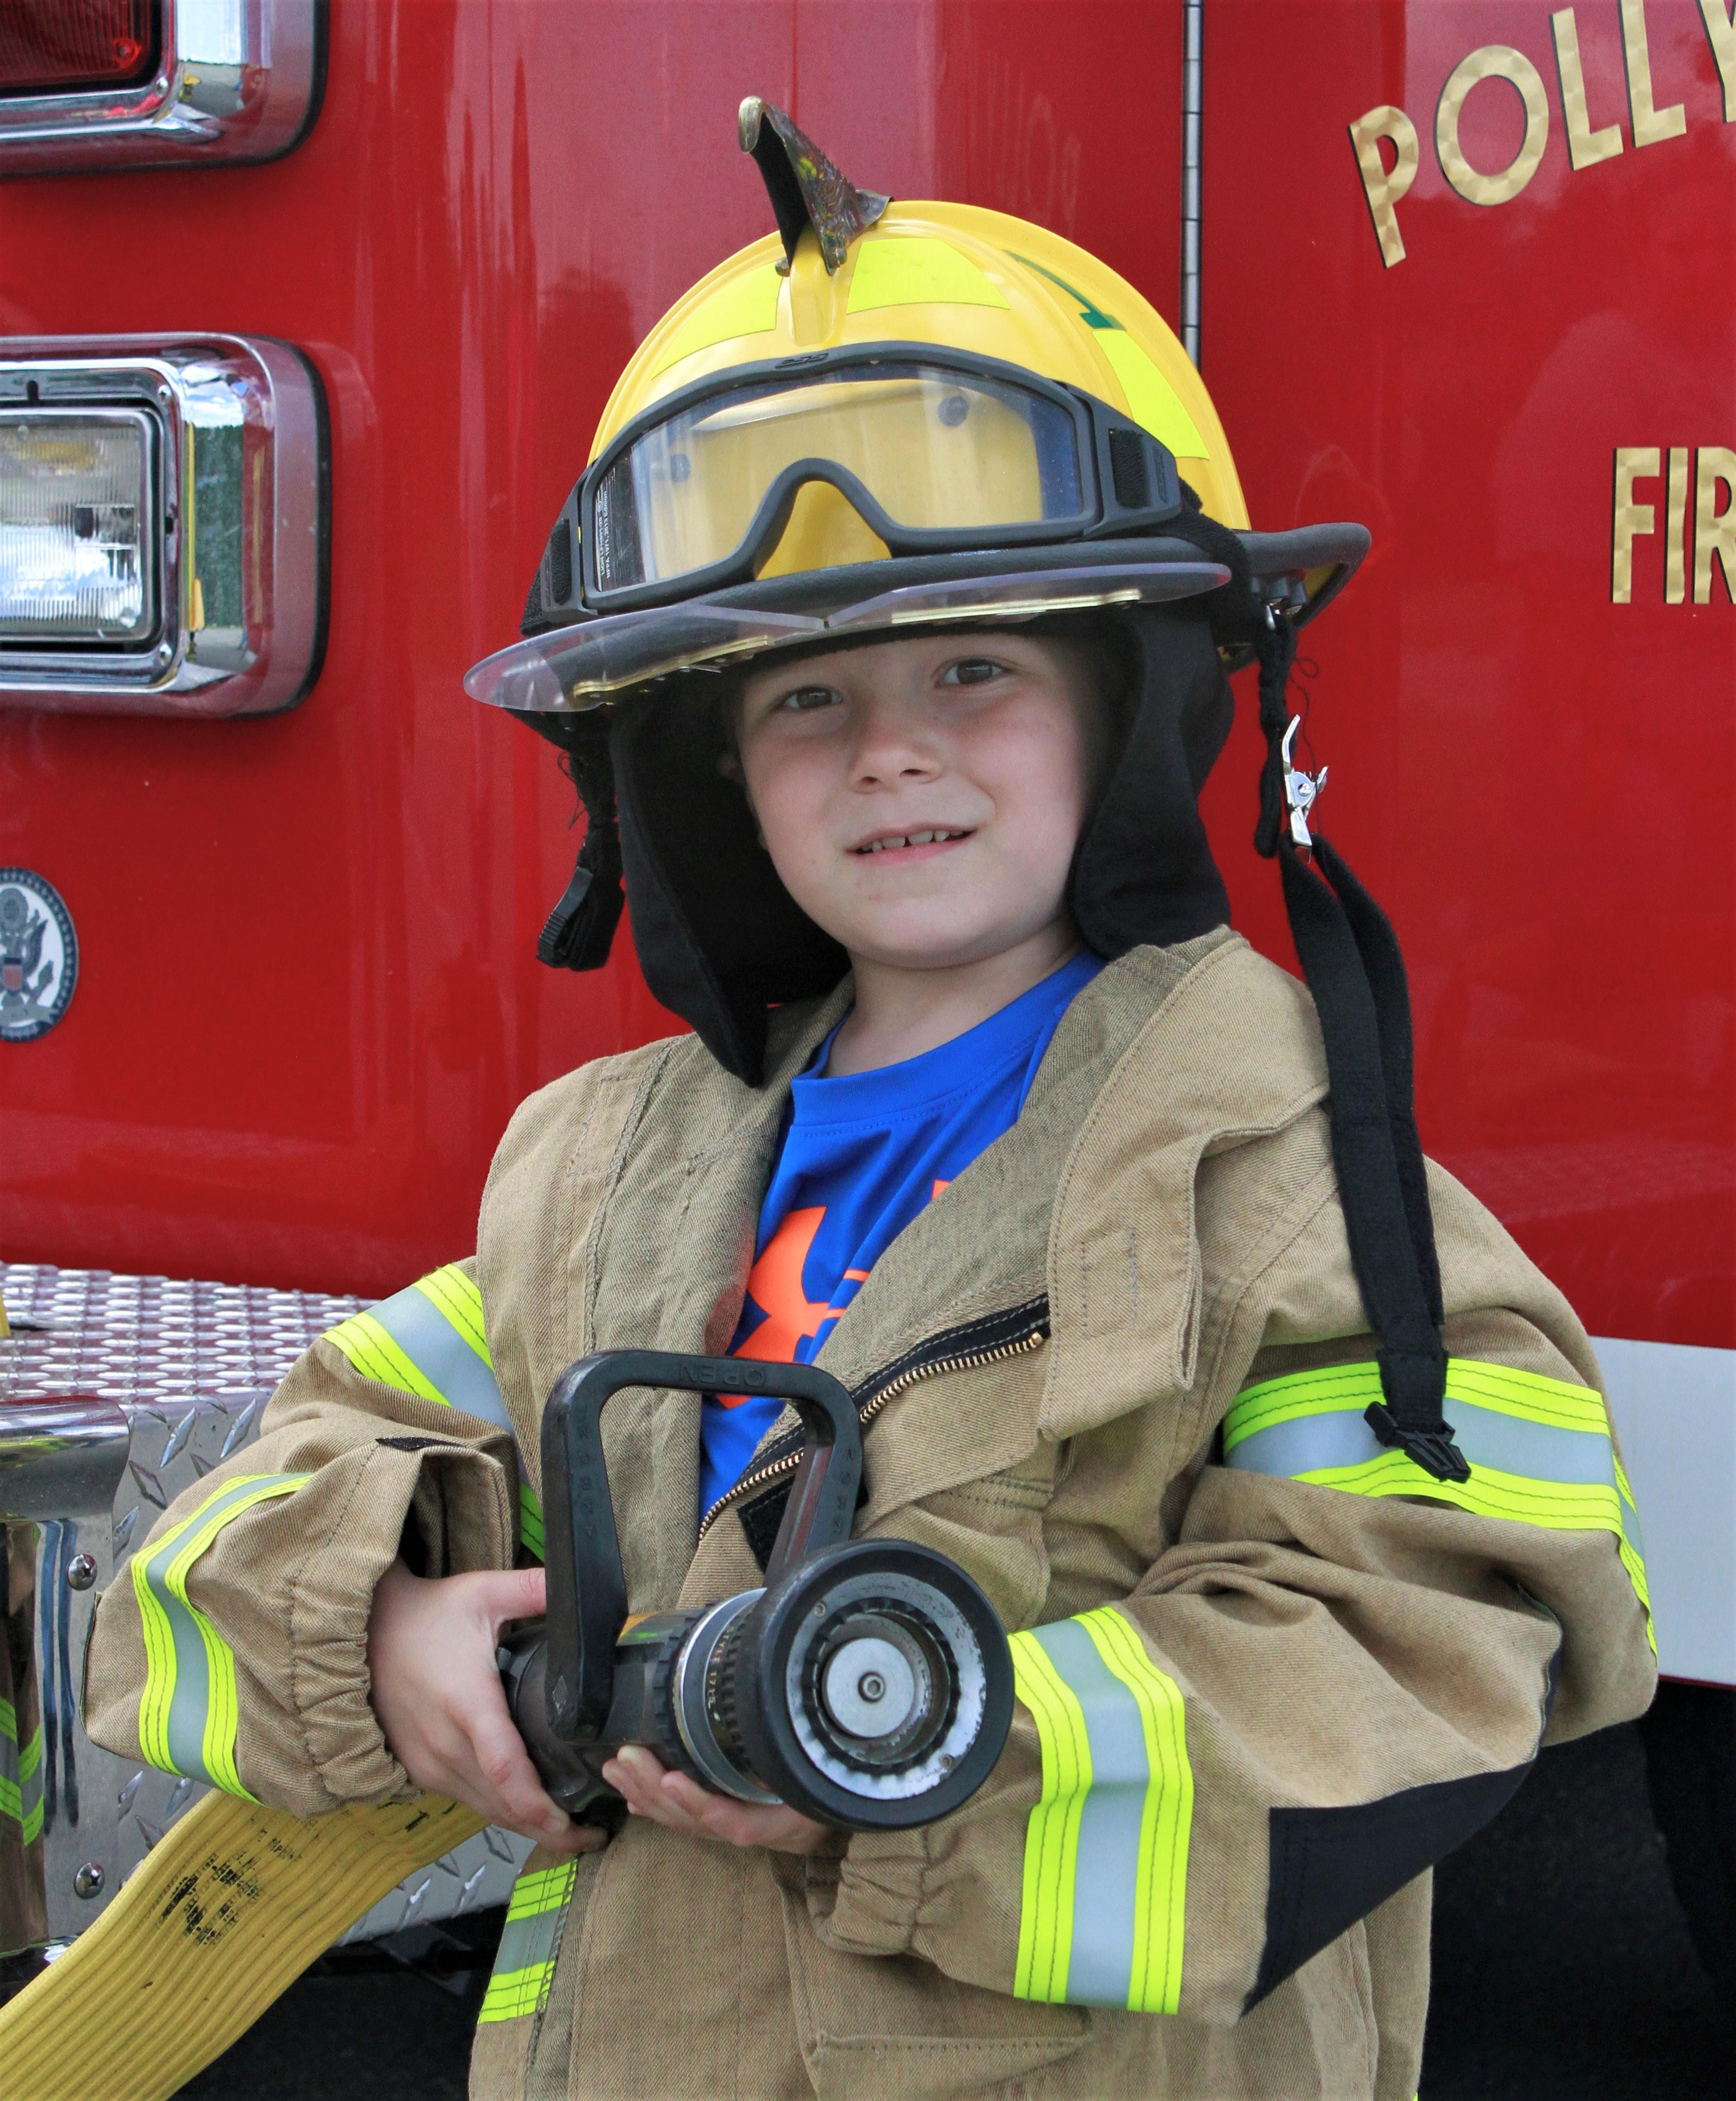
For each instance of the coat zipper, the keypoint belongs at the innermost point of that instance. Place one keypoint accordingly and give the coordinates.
(1013, 1333)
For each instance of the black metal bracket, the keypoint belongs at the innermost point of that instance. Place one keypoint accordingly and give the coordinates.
(587, 1590)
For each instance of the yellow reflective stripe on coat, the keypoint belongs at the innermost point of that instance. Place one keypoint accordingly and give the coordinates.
(20, 1774)
(524, 1963)
(1103, 1905)
(429, 1341)
(1540, 1449)
(189, 1711)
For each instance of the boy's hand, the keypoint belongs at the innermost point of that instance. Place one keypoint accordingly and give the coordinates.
(438, 1696)
(673, 1799)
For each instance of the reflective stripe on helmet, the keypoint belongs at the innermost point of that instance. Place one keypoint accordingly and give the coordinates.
(1100, 1922)
(914, 269)
(1150, 399)
(429, 1341)
(1539, 1449)
(20, 1775)
(524, 1962)
(747, 306)
(189, 1710)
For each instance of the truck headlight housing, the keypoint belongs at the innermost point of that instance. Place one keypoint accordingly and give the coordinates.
(143, 83)
(163, 508)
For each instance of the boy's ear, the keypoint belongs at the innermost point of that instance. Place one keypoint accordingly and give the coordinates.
(728, 763)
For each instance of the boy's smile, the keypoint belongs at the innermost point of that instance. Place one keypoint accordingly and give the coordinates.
(909, 844)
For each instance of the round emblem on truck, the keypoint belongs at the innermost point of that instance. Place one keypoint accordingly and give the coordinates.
(38, 956)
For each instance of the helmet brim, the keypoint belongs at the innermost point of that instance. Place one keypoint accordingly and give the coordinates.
(594, 663)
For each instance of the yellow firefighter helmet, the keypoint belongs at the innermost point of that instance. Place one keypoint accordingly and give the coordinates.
(884, 414)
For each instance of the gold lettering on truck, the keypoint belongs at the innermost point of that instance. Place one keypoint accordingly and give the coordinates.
(1493, 62)
(1714, 530)
(1650, 126)
(1585, 146)
(1632, 463)
(1714, 474)
(1720, 31)
(1383, 187)
(1676, 518)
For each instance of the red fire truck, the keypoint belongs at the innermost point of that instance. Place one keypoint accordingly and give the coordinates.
(308, 315)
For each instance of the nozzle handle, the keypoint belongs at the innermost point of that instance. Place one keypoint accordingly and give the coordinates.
(587, 1590)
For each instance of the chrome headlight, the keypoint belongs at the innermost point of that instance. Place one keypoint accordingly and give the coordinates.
(77, 546)
(162, 525)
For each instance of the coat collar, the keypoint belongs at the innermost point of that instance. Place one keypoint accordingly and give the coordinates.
(1088, 1199)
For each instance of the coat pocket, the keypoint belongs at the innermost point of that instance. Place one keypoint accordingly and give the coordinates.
(892, 2028)
(993, 1528)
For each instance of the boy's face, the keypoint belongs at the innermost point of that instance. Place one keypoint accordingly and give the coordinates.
(921, 799)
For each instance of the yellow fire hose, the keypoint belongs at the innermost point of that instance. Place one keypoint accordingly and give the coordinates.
(221, 1917)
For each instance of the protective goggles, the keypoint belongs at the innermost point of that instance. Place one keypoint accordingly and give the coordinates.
(937, 452)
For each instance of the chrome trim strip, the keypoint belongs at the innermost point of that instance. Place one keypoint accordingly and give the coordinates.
(1193, 29)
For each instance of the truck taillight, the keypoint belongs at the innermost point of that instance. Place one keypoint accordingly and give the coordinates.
(162, 525)
(137, 83)
(63, 46)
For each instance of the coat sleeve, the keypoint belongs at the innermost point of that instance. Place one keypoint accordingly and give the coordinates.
(232, 1648)
(1335, 1671)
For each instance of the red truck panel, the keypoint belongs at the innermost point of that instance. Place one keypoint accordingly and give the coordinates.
(1534, 780)
(307, 1000)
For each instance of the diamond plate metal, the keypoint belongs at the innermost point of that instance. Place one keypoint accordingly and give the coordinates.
(191, 1365)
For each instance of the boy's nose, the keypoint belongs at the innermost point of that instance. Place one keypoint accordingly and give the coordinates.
(894, 744)
(888, 761)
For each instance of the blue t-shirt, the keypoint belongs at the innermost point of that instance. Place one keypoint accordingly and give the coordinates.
(862, 1154)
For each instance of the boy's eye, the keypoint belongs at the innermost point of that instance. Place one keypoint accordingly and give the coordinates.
(805, 700)
(972, 671)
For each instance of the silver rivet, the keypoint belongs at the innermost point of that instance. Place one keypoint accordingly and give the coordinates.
(87, 1880)
(81, 1572)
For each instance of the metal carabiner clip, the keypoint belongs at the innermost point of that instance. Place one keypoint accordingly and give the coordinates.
(1300, 788)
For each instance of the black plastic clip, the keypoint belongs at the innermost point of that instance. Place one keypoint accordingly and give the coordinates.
(1432, 1450)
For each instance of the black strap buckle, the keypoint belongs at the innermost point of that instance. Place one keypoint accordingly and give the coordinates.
(1432, 1450)
(555, 943)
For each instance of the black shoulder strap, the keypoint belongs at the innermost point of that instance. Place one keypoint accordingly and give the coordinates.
(1351, 959)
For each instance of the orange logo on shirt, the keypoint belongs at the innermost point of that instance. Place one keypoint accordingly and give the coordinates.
(774, 1285)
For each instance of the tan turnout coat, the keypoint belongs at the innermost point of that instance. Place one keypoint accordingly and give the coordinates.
(1349, 1675)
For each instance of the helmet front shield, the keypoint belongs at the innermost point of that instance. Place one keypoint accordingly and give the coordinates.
(583, 666)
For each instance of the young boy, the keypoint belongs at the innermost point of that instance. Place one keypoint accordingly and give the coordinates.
(986, 1110)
